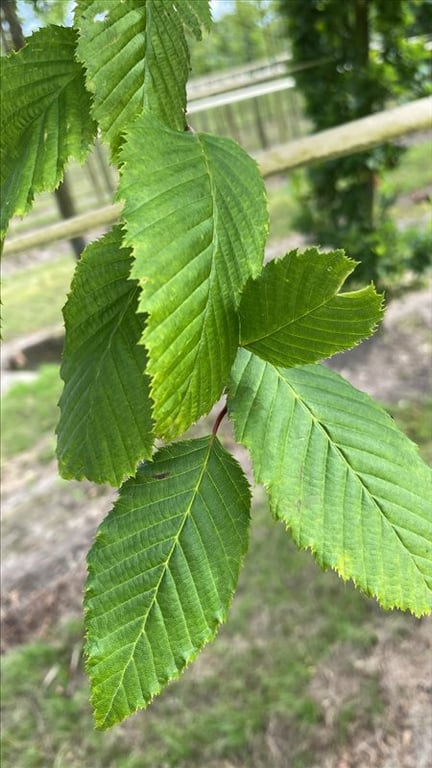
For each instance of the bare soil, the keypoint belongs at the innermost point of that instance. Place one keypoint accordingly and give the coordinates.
(400, 736)
(48, 526)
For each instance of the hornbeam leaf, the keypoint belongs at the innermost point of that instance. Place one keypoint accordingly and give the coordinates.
(136, 57)
(105, 426)
(349, 485)
(45, 118)
(195, 14)
(196, 219)
(162, 573)
(292, 314)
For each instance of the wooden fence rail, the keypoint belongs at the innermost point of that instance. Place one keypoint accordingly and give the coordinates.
(346, 139)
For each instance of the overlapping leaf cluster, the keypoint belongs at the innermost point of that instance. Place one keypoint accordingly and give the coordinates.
(168, 311)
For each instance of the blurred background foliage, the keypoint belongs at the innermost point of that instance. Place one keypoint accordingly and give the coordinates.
(374, 54)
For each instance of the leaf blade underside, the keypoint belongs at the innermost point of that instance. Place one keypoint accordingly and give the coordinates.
(349, 485)
(162, 573)
(105, 425)
(45, 118)
(196, 219)
(292, 314)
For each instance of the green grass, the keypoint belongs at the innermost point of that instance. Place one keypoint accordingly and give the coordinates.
(32, 298)
(413, 171)
(286, 618)
(365, 705)
(29, 413)
(284, 204)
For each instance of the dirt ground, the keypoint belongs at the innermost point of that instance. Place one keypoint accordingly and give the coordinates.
(48, 526)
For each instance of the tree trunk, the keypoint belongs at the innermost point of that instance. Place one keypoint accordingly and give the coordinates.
(8, 8)
(67, 209)
(366, 188)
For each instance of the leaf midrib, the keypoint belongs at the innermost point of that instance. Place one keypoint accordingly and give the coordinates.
(214, 242)
(49, 101)
(209, 279)
(147, 52)
(164, 571)
(107, 348)
(364, 485)
(296, 319)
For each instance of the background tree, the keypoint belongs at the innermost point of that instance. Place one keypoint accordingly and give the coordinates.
(368, 60)
(247, 32)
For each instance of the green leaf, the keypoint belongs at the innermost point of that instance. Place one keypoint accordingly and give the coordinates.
(195, 14)
(196, 219)
(45, 118)
(292, 315)
(349, 485)
(162, 573)
(136, 57)
(105, 426)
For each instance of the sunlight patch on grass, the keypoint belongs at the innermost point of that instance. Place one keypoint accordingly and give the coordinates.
(33, 298)
(413, 171)
(29, 413)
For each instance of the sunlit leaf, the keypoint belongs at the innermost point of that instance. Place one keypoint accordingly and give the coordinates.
(292, 313)
(196, 220)
(347, 483)
(136, 57)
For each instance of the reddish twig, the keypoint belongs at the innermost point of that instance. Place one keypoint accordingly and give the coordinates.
(219, 418)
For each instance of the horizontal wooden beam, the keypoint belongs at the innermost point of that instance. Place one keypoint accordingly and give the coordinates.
(64, 230)
(346, 139)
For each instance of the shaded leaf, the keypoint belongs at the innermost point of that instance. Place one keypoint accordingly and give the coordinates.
(349, 485)
(45, 118)
(105, 425)
(162, 573)
(196, 219)
(292, 314)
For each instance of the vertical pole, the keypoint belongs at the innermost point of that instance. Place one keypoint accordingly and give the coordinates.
(260, 124)
(104, 167)
(66, 207)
